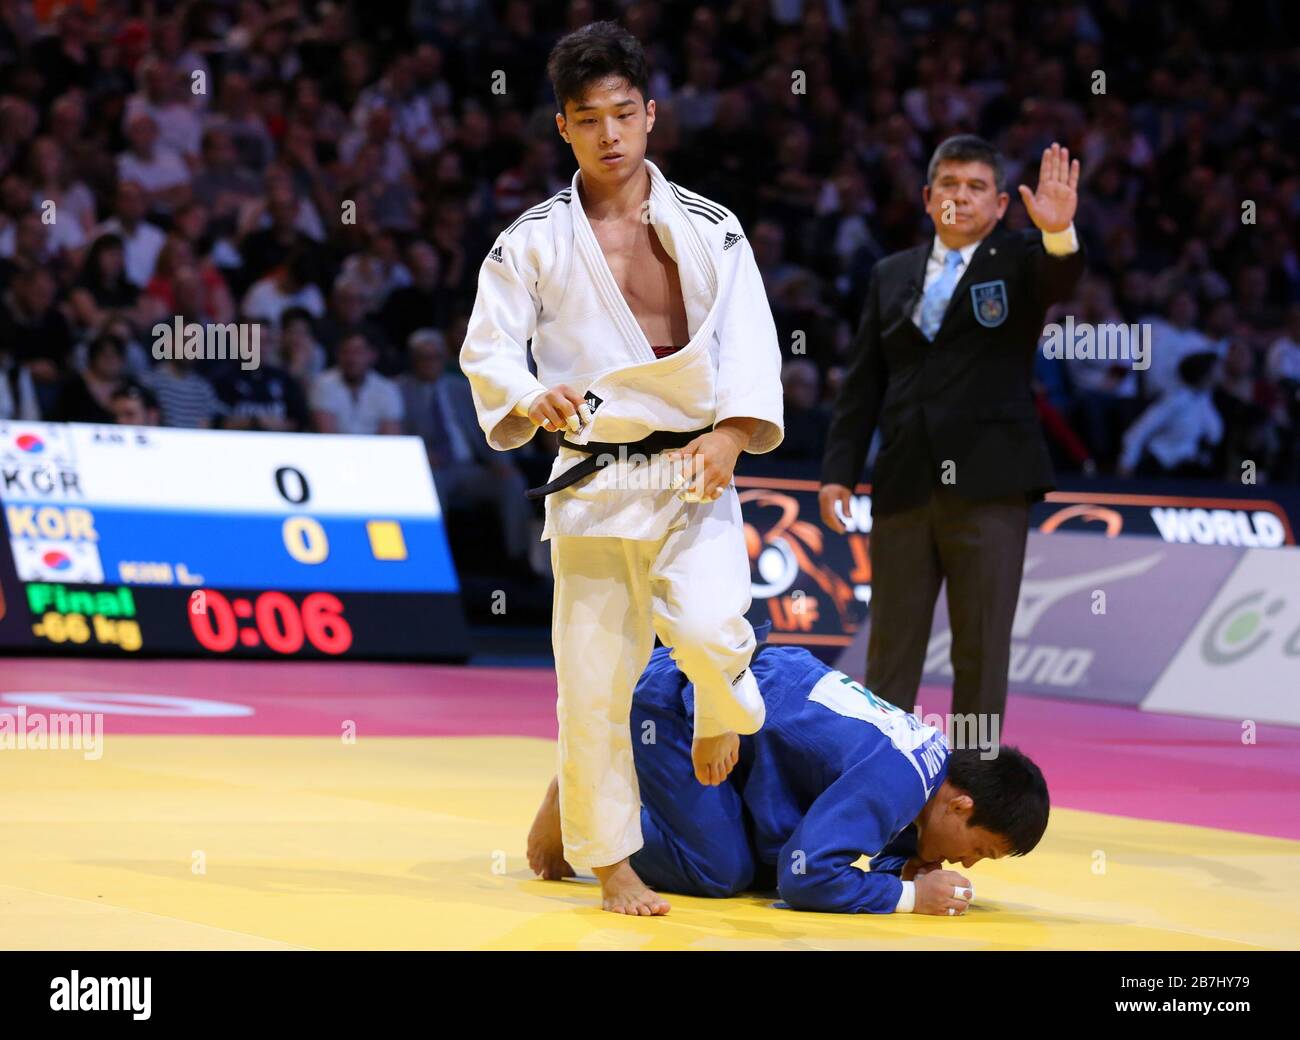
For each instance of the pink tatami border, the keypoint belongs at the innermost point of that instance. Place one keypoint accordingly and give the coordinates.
(1096, 757)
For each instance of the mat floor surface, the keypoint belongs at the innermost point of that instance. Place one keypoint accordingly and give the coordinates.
(230, 808)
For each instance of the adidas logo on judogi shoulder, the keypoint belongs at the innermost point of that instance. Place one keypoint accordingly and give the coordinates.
(731, 239)
(496, 255)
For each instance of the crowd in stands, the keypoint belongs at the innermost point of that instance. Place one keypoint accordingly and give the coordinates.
(336, 172)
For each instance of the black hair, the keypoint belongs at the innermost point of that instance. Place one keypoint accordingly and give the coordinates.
(301, 265)
(105, 341)
(594, 52)
(1193, 369)
(291, 314)
(968, 148)
(131, 390)
(101, 246)
(1009, 793)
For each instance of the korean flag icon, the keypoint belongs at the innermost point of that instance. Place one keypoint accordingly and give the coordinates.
(41, 559)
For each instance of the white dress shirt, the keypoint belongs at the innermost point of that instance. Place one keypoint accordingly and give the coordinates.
(1172, 429)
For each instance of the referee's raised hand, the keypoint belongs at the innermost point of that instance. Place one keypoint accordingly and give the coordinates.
(1051, 206)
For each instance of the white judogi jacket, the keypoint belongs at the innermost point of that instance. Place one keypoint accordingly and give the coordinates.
(546, 280)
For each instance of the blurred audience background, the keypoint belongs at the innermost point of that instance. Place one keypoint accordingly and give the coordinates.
(337, 171)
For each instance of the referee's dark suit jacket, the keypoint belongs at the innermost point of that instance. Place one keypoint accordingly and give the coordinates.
(964, 399)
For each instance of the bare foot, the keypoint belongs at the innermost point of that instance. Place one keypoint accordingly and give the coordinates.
(623, 892)
(545, 845)
(715, 757)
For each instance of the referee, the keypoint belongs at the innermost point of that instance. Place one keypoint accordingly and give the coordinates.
(942, 365)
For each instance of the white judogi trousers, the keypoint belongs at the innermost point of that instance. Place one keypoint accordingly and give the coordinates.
(612, 596)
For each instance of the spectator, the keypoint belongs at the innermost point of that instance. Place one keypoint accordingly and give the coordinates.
(265, 249)
(347, 314)
(81, 154)
(262, 398)
(1173, 339)
(806, 418)
(1252, 409)
(141, 240)
(176, 53)
(299, 353)
(177, 256)
(117, 325)
(156, 168)
(34, 332)
(17, 391)
(1284, 354)
(237, 115)
(289, 285)
(103, 285)
(185, 398)
(26, 242)
(421, 303)
(66, 59)
(376, 271)
(1106, 389)
(179, 129)
(439, 409)
(221, 182)
(87, 396)
(134, 404)
(74, 205)
(352, 398)
(1175, 436)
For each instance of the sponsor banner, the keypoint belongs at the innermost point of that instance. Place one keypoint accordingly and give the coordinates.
(1098, 618)
(1179, 519)
(812, 584)
(1242, 659)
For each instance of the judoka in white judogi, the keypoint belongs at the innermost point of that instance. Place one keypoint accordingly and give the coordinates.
(630, 562)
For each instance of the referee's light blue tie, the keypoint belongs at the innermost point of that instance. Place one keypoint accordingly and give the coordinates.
(935, 302)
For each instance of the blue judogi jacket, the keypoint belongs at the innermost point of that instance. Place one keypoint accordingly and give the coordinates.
(834, 774)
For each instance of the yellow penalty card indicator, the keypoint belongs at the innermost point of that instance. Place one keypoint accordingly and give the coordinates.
(386, 541)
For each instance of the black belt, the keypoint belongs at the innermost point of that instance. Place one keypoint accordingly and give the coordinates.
(601, 453)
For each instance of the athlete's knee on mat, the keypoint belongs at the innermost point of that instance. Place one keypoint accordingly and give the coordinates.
(726, 873)
(669, 873)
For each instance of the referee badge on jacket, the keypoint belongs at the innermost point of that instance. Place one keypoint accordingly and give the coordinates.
(990, 301)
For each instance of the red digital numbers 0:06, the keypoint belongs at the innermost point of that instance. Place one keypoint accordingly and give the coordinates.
(276, 621)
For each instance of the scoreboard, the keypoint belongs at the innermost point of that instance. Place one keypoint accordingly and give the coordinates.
(128, 540)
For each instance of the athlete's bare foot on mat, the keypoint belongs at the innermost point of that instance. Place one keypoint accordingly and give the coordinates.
(623, 892)
(715, 757)
(545, 845)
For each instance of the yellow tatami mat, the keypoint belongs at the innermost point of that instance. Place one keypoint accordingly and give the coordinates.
(178, 842)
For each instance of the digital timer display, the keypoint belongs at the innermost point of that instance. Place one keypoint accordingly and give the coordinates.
(220, 624)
